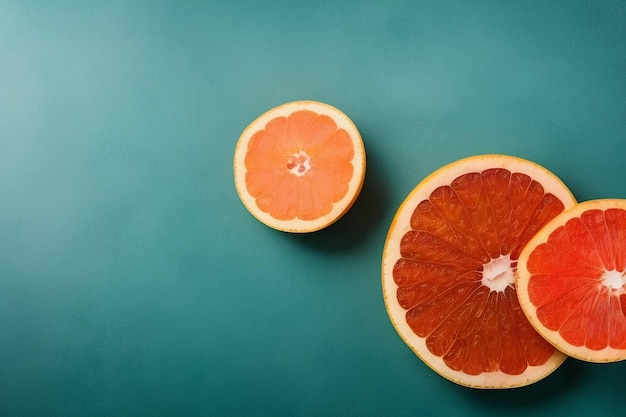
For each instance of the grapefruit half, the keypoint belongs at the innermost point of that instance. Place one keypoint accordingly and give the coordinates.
(300, 166)
(571, 281)
(448, 269)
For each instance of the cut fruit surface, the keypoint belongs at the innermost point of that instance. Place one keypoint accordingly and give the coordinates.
(449, 264)
(300, 166)
(571, 281)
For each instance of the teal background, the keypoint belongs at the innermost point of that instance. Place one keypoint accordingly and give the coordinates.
(133, 282)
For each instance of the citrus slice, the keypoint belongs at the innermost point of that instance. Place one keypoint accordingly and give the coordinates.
(300, 166)
(571, 281)
(448, 269)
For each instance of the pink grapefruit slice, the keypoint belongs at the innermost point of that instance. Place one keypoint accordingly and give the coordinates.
(448, 269)
(571, 281)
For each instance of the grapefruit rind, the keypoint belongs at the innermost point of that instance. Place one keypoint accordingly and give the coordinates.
(400, 225)
(523, 277)
(339, 208)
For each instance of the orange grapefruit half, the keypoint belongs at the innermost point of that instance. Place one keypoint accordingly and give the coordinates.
(571, 281)
(448, 269)
(300, 166)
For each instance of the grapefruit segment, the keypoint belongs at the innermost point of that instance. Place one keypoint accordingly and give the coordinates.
(448, 269)
(300, 166)
(571, 281)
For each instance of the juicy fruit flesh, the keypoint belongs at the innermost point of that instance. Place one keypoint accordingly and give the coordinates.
(464, 236)
(299, 166)
(577, 280)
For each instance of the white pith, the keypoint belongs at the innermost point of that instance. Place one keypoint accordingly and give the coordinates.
(498, 274)
(299, 163)
(614, 279)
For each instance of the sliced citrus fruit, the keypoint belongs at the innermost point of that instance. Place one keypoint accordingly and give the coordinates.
(300, 166)
(448, 269)
(571, 281)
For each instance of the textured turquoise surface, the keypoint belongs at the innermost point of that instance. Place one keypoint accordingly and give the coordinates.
(134, 282)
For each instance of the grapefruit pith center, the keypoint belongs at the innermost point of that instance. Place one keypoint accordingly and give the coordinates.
(614, 279)
(498, 273)
(299, 163)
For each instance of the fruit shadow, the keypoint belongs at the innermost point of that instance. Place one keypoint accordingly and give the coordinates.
(356, 226)
(563, 382)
